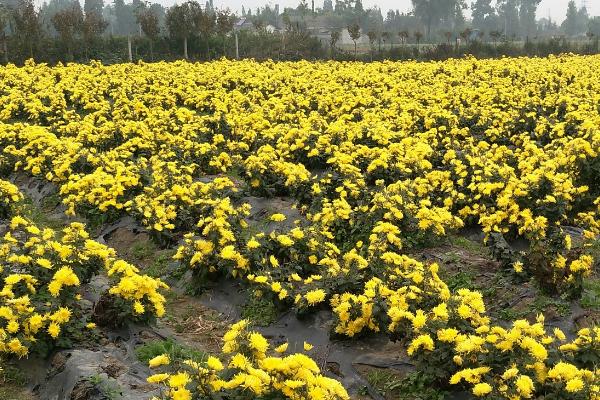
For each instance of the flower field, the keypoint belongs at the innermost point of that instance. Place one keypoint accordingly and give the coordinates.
(378, 161)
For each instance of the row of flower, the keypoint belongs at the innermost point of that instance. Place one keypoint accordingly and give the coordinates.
(510, 144)
(44, 272)
(377, 157)
(252, 369)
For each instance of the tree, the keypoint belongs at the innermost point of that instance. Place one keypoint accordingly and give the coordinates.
(333, 39)
(93, 7)
(495, 35)
(583, 19)
(327, 6)
(68, 23)
(448, 36)
(302, 8)
(358, 7)
(527, 11)
(374, 22)
(569, 25)
(4, 24)
(509, 15)
(205, 22)
(180, 23)
(404, 35)
(258, 24)
(430, 12)
(148, 21)
(418, 36)
(225, 22)
(27, 24)
(594, 27)
(124, 17)
(354, 32)
(372, 35)
(466, 35)
(94, 23)
(576, 21)
(387, 37)
(209, 6)
(459, 20)
(482, 11)
(47, 11)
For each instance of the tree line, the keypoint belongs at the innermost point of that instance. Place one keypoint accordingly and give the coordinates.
(63, 30)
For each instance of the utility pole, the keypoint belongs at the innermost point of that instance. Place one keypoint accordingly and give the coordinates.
(237, 47)
(129, 48)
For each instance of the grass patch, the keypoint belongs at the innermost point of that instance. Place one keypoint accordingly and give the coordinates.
(259, 310)
(160, 266)
(11, 375)
(540, 305)
(109, 389)
(385, 382)
(467, 244)
(414, 386)
(143, 250)
(12, 382)
(50, 202)
(39, 216)
(413, 241)
(594, 249)
(175, 351)
(156, 262)
(591, 294)
(461, 280)
(236, 174)
(11, 392)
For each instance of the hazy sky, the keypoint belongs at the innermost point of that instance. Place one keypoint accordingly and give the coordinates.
(556, 8)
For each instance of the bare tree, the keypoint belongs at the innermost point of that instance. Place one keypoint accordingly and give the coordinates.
(404, 35)
(495, 35)
(466, 35)
(418, 36)
(354, 32)
(448, 36)
(387, 37)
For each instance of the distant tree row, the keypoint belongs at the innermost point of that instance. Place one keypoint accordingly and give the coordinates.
(63, 30)
(64, 21)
